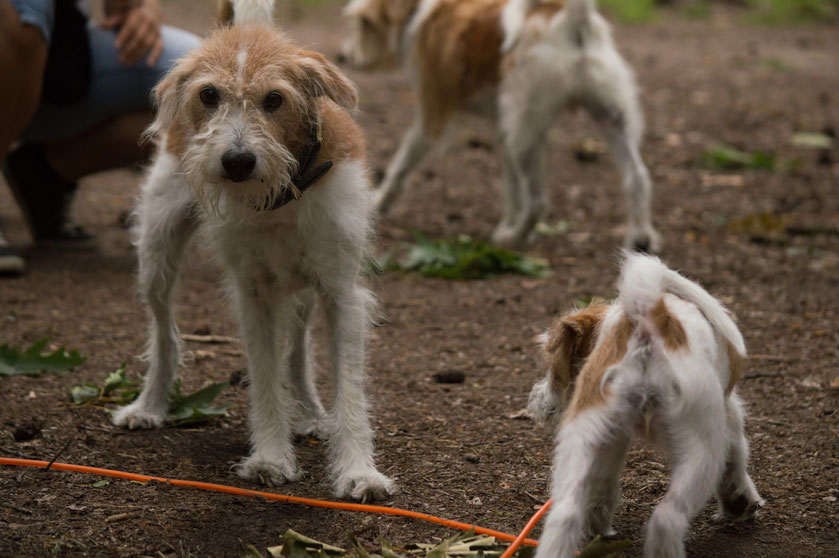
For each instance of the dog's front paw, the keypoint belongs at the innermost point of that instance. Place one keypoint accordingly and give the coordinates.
(508, 237)
(314, 427)
(138, 416)
(369, 486)
(270, 472)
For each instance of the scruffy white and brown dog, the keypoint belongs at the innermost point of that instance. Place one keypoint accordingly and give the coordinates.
(530, 59)
(256, 146)
(660, 362)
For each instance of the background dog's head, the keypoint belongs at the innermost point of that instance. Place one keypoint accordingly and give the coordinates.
(238, 111)
(377, 28)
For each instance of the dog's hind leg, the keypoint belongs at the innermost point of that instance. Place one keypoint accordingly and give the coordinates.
(351, 459)
(309, 413)
(166, 223)
(590, 451)
(412, 150)
(272, 459)
(620, 120)
(737, 497)
(697, 447)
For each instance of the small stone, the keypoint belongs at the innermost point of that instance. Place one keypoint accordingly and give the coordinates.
(450, 377)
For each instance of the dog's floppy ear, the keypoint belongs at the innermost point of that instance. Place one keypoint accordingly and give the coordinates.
(166, 97)
(569, 341)
(324, 78)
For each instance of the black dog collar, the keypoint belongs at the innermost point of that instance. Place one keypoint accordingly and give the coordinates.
(306, 175)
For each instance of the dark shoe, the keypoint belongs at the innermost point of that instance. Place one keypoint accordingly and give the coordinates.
(45, 199)
(11, 262)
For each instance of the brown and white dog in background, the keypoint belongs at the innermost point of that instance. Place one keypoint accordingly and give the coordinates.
(534, 58)
(257, 148)
(661, 362)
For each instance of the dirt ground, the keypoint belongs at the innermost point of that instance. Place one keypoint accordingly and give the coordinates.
(454, 449)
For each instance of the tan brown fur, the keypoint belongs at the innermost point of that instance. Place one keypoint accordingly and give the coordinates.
(342, 137)
(736, 363)
(458, 55)
(610, 349)
(569, 341)
(669, 327)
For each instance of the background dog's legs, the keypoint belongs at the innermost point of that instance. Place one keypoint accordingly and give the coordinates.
(272, 460)
(737, 497)
(413, 148)
(698, 452)
(309, 413)
(621, 127)
(585, 445)
(166, 223)
(351, 460)
(526, 200)
(606, 485)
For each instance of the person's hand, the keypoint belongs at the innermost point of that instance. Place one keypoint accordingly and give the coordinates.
(139, 35)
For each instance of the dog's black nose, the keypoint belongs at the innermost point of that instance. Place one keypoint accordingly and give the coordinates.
(238, 165)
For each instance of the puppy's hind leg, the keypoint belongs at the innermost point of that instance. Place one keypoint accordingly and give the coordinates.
(166, 223)
(737, 497)
(412, 150)
(697, 446)
(590, 449)
(351, 459)
(309, 413)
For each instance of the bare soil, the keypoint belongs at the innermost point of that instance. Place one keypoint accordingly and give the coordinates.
(453, 447)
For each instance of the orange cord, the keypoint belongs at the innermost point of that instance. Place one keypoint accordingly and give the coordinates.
(522, 538)
(278, 497)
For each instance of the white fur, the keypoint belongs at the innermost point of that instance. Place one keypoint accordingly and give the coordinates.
(253, 12)
(675, 398)
(278, 264)
(569, 60)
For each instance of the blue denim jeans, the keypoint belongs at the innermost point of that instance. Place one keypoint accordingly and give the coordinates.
(114, 88)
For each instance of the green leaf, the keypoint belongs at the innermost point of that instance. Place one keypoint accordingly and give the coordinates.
(101, 483)
(34, 361)
(250, 551)
(84, 393)
(812, 141)
(725, 157)
(195, 408)
(465, 258)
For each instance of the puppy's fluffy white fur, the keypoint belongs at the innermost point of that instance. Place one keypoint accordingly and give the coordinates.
(246, 89)
(530, 59)
(661, 363)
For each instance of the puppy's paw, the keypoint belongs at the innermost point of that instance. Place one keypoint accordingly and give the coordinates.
(315, 427)
(508, 237)
(138, 416)
(368, 486)
(270, 472)
(542, 405)
(741, 507)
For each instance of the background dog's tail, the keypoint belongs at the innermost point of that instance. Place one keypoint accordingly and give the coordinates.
(645, 279)
(577, 17)
(246, 12)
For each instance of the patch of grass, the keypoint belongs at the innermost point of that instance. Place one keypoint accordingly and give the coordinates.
(793, 11)
(35, 361)
(630, 11)
(726, 157)
(698, 9)
(463, 258)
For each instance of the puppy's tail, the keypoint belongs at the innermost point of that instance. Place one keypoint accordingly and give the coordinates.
(645, 279)
(577, 15)
(246, 12)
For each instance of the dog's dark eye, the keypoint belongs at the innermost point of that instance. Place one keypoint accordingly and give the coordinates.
(272, 101)
(209, 96)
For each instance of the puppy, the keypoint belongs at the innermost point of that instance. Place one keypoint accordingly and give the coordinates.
(530, 59)
(660, 362)
(256, 147)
